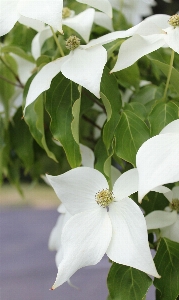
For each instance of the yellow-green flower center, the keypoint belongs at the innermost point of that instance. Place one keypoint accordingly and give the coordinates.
(174, 205)
(72, 42)
(104, 197)
(174, 20)
(66, 12)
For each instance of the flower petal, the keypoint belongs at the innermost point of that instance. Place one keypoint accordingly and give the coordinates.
(54, 242)
(51, 13)
(39, 40)
(103, 20)
(85, 67)
(35, 24)
(82, 23)
(85, 238)
(126, 184)
(115, 173)
(136, 47)
(164, 190)
(129, 244)
(175, 191)
(172, 127)
(77, 188)
(9, 15)
(172, 38)
(157, 162)
(171, 232)
(103, 5)
(87, 156)
(160, 219)
(43, 79)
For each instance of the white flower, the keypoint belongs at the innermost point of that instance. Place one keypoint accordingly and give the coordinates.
(31, 13)
(102, 221)
(157, 159)
(166, 221)
(151, 34)
(103, 5)
(134, 10)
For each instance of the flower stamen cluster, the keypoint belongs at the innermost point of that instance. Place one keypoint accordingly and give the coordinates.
(174, 20)
(66, 12)
(104, 197)
(174, 205)
(72, 42)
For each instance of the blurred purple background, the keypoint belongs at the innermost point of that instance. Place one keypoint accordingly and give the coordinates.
(28, 268)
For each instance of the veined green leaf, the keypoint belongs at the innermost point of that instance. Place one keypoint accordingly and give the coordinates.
(18, 51)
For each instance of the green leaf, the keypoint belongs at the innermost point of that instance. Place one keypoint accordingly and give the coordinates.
(22, 141)
(154, 201)
(167, 264)
(34, 117)
(161, 115)
(18, 51)
(129, 77)
(112, 101)
(60, 99)
(126, 283)
(137, 108)
(131, 133)
(165, 69)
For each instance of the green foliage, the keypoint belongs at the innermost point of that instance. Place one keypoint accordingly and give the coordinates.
(167, 263)
(124, 283)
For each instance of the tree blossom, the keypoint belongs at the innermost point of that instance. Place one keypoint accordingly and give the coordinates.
(157, 159)
(30, 12)
(133, 10)
(102, 5)
(167, 221)
(151, 34)
(102, 221)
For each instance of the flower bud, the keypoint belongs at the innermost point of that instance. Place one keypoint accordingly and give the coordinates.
(66, 12)
(72, 42)
(174, 20)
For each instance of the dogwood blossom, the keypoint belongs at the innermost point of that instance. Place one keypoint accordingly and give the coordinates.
(134, 10)
(167, 221)
(151, 34)
(30, 12)
(102, 221)
(157, 159)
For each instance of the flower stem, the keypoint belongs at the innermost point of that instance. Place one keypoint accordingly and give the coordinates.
(11, 82)
(57, 42)
(169, 74)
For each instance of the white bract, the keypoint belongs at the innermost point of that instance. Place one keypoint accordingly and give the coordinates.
(157, 159)
(167, 221)
(33, 13)
(103, 5)
(102, 221)
(151, 34)
(134, 10)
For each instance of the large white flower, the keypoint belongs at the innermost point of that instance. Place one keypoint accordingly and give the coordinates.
(151, 34)
(31, 13)
(134, 10)
(157, 159)
(167, 221)
(102, 221)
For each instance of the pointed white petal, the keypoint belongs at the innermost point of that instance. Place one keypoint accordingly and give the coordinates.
(160, 219)
(39, 40)
(115, 173)
(59, 256)
(43, 79)
(85, 238)
(82, 23)
(35, 24)
(171, 232)
(61, 209)
(172, 127)
(87, 156)
(85, 67)
(172, 38)
(9, 15)
(136, 47)
(43, 10)
(126, 184)
(129, 244)
(175, 191)
(157, 162)
(103, 5)
(54, 242)
(103, 20)
(77, 188)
